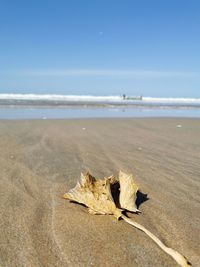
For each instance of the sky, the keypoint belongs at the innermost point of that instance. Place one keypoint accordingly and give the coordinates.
(100, 47)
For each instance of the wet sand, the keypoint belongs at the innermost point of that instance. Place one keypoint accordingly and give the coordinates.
(41, 160)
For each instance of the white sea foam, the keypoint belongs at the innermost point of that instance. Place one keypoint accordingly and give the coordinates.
(90, 98)
(171, 100)
(59, 97)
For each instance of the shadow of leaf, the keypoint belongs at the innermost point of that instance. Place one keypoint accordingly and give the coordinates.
(141, 198)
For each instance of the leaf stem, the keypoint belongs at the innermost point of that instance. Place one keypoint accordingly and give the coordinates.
(181, 260)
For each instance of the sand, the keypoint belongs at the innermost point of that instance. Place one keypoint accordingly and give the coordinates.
(41, 160)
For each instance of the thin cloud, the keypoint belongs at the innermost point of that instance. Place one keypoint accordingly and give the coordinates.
(106, 72)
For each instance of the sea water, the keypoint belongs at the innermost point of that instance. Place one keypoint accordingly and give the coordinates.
(31, 106)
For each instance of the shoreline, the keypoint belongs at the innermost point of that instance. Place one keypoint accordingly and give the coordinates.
(41, 160)
(75, 112)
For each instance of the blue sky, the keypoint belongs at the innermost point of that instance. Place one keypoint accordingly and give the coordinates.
(100, 47)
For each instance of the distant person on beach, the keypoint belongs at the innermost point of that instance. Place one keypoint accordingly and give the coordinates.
(124, 96)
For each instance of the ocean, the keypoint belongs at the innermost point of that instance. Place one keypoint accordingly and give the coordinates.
(49, 106)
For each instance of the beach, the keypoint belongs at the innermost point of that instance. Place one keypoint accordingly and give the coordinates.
(41, 160)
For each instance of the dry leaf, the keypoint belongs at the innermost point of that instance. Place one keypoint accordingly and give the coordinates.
(128, 191)
(97, 196)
